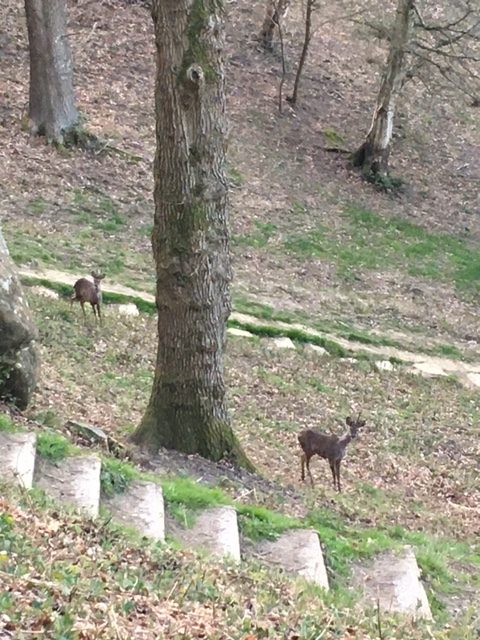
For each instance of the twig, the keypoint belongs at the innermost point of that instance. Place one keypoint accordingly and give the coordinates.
(379, 621)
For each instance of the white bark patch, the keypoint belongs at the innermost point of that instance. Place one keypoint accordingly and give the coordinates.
(140, 507)
(74, 481)
(17, 457)
(298, 552)
(387, 135)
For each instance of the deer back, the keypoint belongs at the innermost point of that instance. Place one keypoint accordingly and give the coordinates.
(86, 291)
(316, 443)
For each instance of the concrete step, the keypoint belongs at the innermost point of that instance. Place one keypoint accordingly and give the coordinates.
(17, 457)
(74, 481)
(140, 507)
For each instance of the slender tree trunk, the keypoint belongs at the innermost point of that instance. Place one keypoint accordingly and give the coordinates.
(373, 155)
(52, 110)
(275, 12)
(187, 409)
(303, 56)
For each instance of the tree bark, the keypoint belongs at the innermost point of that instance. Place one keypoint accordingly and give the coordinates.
(374, 153)
(275, 12)
(187, 409)
(52, 111)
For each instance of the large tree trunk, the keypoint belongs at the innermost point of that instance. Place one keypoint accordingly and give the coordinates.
(187, 409)
(373, 155)
(52, 110)
(275, 12)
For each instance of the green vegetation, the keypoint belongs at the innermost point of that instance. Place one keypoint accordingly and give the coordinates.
(260, 237)
(373, 242)
(54, 447)
(259, 523)
(116, 476)
(294, 334)
(6, 424)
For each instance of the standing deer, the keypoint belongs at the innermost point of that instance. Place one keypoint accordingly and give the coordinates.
(330, 447)
(86, 291)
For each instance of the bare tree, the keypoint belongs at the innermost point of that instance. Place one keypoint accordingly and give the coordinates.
(303, 56)
(52, 112)
(275, 12)
(373, 154)
(187, 409)
(437, 44)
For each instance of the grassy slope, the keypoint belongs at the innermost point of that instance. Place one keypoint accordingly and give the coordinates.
(310, 240)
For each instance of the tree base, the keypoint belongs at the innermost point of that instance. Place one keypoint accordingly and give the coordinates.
(217, 442)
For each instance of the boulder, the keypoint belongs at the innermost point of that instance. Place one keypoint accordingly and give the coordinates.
(18, 351)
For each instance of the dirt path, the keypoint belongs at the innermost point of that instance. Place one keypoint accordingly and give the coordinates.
(468, 373)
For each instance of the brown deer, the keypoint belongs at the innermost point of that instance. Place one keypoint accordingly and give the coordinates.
(330, 447)
(86, 291)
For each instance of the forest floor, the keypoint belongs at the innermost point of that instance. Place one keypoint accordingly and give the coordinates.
(312, 243)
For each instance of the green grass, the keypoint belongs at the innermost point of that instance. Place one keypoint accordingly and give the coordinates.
(6, 424)
(294, 334)
(368, 241)
(259, 523)
(116, 476)
(54, 447)
(260, 237)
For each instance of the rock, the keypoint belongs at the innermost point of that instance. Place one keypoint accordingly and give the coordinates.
(18, 351)
(216, 531)
(384, 365)
(88, 431)
(74, 481)
(44, 292)
(234, 331)
(428, 369)
(393, 581)
(283, 343)
(317, 349)
(17, 457)
(140, 507)
(298, 552)
(474, 378)
(129, 309)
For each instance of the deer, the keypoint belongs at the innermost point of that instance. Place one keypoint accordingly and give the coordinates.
(86, 291)
(330, 447)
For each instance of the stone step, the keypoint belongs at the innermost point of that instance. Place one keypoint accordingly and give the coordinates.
(74, 481)
(392, 582)
(17, 457)
(216, 531)
(297, 552)
(140, 507)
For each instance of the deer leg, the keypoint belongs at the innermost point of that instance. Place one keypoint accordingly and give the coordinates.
(99, 314)
(309, 472)
(337, 471)
(332, 467)
(302, 461)
(83, 308)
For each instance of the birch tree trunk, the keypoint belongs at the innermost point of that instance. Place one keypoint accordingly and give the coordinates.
(374, 153)
(52, 112)
(187, 409)
(275, 12)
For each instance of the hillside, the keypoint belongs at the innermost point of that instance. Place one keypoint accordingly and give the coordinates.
(313, 244)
